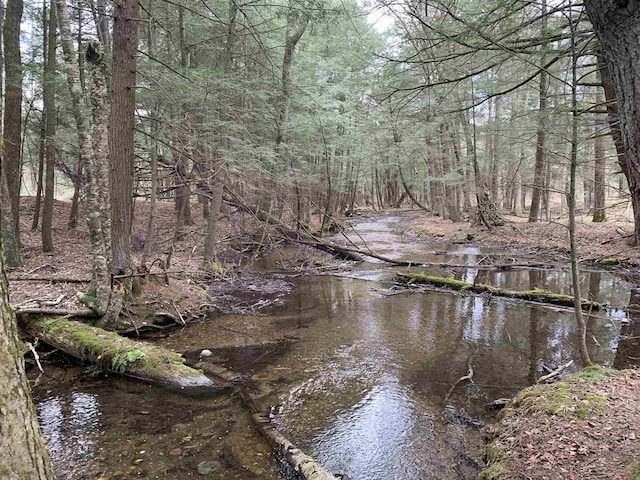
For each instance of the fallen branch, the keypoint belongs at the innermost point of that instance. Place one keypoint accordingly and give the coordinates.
(300, 236)
(50, 279)
(468, 376)
(555, 373)
(110, 351)
(56, 312)
(534, 295)
(301, 463)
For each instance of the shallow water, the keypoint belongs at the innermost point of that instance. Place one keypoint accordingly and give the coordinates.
(364, 380)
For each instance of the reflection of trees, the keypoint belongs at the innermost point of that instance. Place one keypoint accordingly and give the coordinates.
(594, 285)
(534, 319)
(628, 352)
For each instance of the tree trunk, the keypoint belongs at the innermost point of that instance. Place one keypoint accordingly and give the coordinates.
(617, 27)
(24, 455)
(571, 197)
(12, 134)
(543, 120)
(99, 293)
(599, 185)
(121, 127)
(37, 205)
(295, 29)
(48, 95)
(75, 201)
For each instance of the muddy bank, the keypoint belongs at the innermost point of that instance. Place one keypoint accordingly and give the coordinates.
(586, 426)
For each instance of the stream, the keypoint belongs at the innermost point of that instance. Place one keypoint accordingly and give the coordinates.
(358, 373)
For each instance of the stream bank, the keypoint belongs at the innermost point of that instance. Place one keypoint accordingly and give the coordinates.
(586, 426)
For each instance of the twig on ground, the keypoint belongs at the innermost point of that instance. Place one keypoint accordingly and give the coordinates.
(178, 312)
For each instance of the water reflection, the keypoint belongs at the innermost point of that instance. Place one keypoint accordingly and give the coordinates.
(69, 425)
(371, 400)
(628, 345)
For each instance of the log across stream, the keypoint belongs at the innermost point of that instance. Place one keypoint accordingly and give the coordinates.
(534, 295)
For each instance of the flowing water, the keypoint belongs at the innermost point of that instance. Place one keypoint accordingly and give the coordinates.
(359, 374)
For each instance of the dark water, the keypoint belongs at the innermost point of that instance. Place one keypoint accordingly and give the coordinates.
(366, 387)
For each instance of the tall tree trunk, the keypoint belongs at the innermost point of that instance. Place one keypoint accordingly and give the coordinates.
(571, 197)
(24, 455)
(450, 196)
(599, 170)
(121, 128)
(617, 27)
(75, 200)
(12, 131)
(599, 185)
(295, 29)
(99, 293)
(48, 94)
(37, 205)
(543, 120)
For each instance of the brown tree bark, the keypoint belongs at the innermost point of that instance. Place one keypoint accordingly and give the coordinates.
(12, 134)
(617, 26)
(543, 119)
(24, 455)
(295, 29)
(48, 94)
(600, 159)
(121, 128)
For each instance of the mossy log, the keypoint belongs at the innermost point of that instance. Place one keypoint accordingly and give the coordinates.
(534, 295)
(112, 352)
(304, 465)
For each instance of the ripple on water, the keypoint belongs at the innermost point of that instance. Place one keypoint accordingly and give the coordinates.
(70, 426)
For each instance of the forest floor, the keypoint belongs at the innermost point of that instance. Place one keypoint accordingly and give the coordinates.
(595, 241)
(603, 443)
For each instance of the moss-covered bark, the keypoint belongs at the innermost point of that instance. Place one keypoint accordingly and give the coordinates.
(113, 352)
(23, 455)
(535, 295)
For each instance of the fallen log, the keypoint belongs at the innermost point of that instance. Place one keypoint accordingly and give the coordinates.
(112, 352)
(534, 295)
(301, 463)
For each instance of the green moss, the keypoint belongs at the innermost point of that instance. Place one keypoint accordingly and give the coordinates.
(121, 360)
(536, 294)
(559, 400)
(494, 472)
(491, 454)
(634, 468)
(609, 261)
(594, 372)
